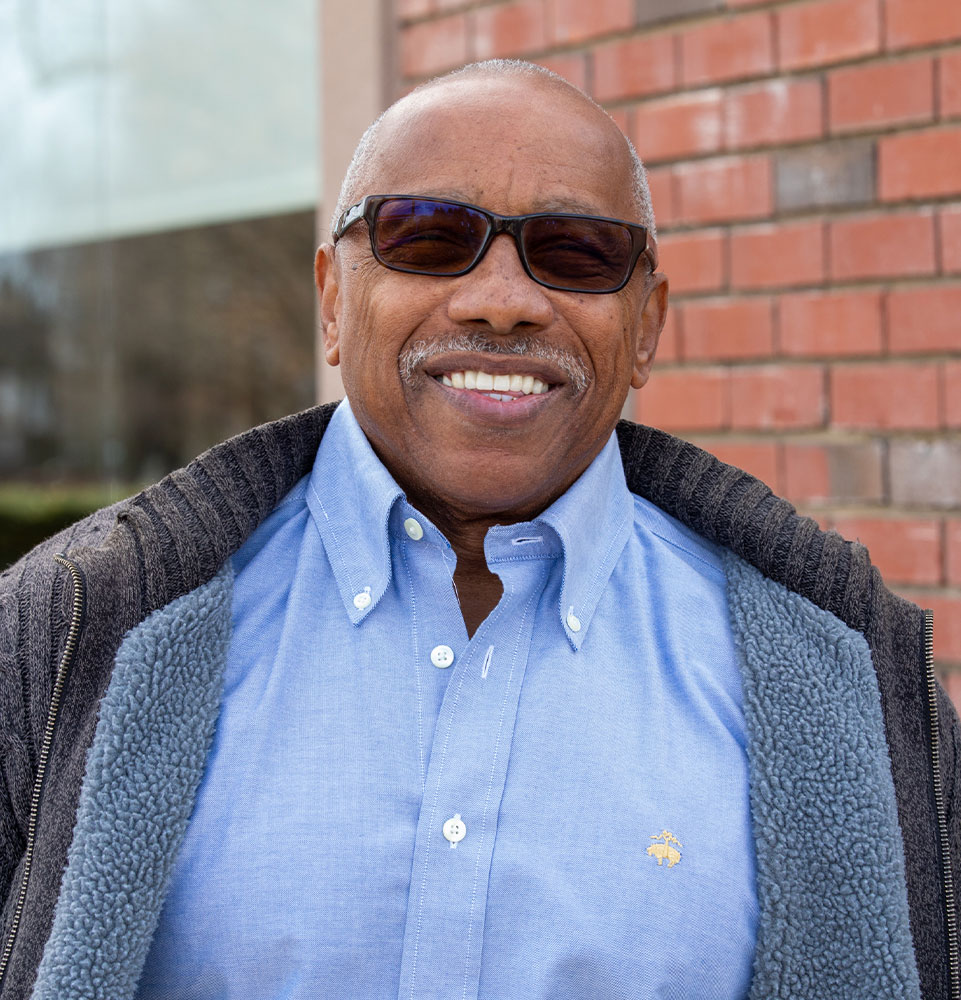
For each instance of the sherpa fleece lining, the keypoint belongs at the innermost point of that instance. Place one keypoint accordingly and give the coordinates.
(830, 872)
(156, 725)
(830, 868)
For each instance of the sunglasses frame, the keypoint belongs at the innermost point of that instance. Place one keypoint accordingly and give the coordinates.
(367, 209)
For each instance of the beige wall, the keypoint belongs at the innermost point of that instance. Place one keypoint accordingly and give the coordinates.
(356, 60)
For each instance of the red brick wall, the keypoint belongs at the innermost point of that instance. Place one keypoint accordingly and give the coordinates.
(805, 164)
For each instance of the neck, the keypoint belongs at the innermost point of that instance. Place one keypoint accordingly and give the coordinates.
(478, 589)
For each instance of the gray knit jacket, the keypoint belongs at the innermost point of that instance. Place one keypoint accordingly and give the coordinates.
(113, 637)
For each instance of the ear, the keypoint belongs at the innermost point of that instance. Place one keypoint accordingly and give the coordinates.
(653, 315)
(328, 291)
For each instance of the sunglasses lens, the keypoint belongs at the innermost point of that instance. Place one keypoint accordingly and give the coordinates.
(415, 234)
(588, 255)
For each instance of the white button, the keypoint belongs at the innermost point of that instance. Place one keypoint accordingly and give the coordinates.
(413, 529)
(573, 622)
(455, 830)
(362, 600)
(442, 656)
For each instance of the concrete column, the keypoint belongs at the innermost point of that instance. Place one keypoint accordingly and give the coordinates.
(356, 52)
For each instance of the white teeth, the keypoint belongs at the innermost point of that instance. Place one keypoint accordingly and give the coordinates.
(490, 383)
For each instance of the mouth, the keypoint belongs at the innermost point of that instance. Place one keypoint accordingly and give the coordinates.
(499, 386)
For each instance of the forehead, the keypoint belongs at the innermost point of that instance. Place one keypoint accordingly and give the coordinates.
(508, 144)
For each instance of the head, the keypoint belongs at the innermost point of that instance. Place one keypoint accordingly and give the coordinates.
(512, 139)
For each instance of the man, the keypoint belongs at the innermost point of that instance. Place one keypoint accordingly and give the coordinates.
(423, 697)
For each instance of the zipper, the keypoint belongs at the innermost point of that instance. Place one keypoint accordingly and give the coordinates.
(954, 964)
(69, 649)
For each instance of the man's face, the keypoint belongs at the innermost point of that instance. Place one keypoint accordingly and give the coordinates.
(511, 147)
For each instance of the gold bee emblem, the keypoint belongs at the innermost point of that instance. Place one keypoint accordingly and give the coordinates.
(663, 849)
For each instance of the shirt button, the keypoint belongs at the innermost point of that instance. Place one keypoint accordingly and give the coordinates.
(413, 529)
(362, 600)
(573, 622)
(442, 656)
(455, 830)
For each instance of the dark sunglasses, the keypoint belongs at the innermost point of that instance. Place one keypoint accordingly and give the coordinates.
(573, 253)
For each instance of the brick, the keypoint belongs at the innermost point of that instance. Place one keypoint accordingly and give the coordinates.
(777, 396)
(652, 11)
(832, 472)
(882, 246)
(950, 226)
(669, 344)
(905, 549)
(952, 551)
(921, 22)
(661, 182)
(736, 187)
(947, 625)
(433, 46)
(693, 261)
(925, 473)
(920, 164)
(951, 682)
(408, 9)
(949, 72)
(687, 399)
(830, 323)
(759, 459)
(728, 49)
(679, 126)
(952, 393)
(952, 543)
(772, 113)
(723, 329)
(813, 34)
(898, 395)
(576, 21)
(775, 254)
(880, 94)
(634, 68)
(622, 119)
(925, 319)
(511, 29)
(838, 173)
(572, 67)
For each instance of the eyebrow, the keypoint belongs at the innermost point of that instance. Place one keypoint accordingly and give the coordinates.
(567, 205)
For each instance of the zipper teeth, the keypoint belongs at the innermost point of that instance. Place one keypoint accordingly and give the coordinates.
(946, 873)
(73, 636)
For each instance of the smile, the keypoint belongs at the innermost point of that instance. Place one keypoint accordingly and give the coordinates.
(503, 388)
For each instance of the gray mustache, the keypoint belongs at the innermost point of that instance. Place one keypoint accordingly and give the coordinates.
(422, 351)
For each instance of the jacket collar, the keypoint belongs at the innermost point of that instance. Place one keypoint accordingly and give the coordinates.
(212, 505)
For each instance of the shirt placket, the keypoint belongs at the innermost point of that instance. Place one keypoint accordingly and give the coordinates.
(465, 782)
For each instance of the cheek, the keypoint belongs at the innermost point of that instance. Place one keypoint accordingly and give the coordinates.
(611, 344)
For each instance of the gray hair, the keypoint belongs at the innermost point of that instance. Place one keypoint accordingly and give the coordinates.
(366, 148)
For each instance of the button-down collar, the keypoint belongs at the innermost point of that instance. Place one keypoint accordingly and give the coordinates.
(593, 521)
(359, 508)
(350, 497)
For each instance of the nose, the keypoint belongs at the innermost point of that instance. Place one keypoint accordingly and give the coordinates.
(498, 294)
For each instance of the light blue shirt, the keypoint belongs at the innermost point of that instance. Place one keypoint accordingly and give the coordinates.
(554, 808)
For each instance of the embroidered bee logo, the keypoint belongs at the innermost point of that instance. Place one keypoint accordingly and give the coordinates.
(663, 850)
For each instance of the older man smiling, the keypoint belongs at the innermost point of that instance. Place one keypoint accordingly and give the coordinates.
(463, 688)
